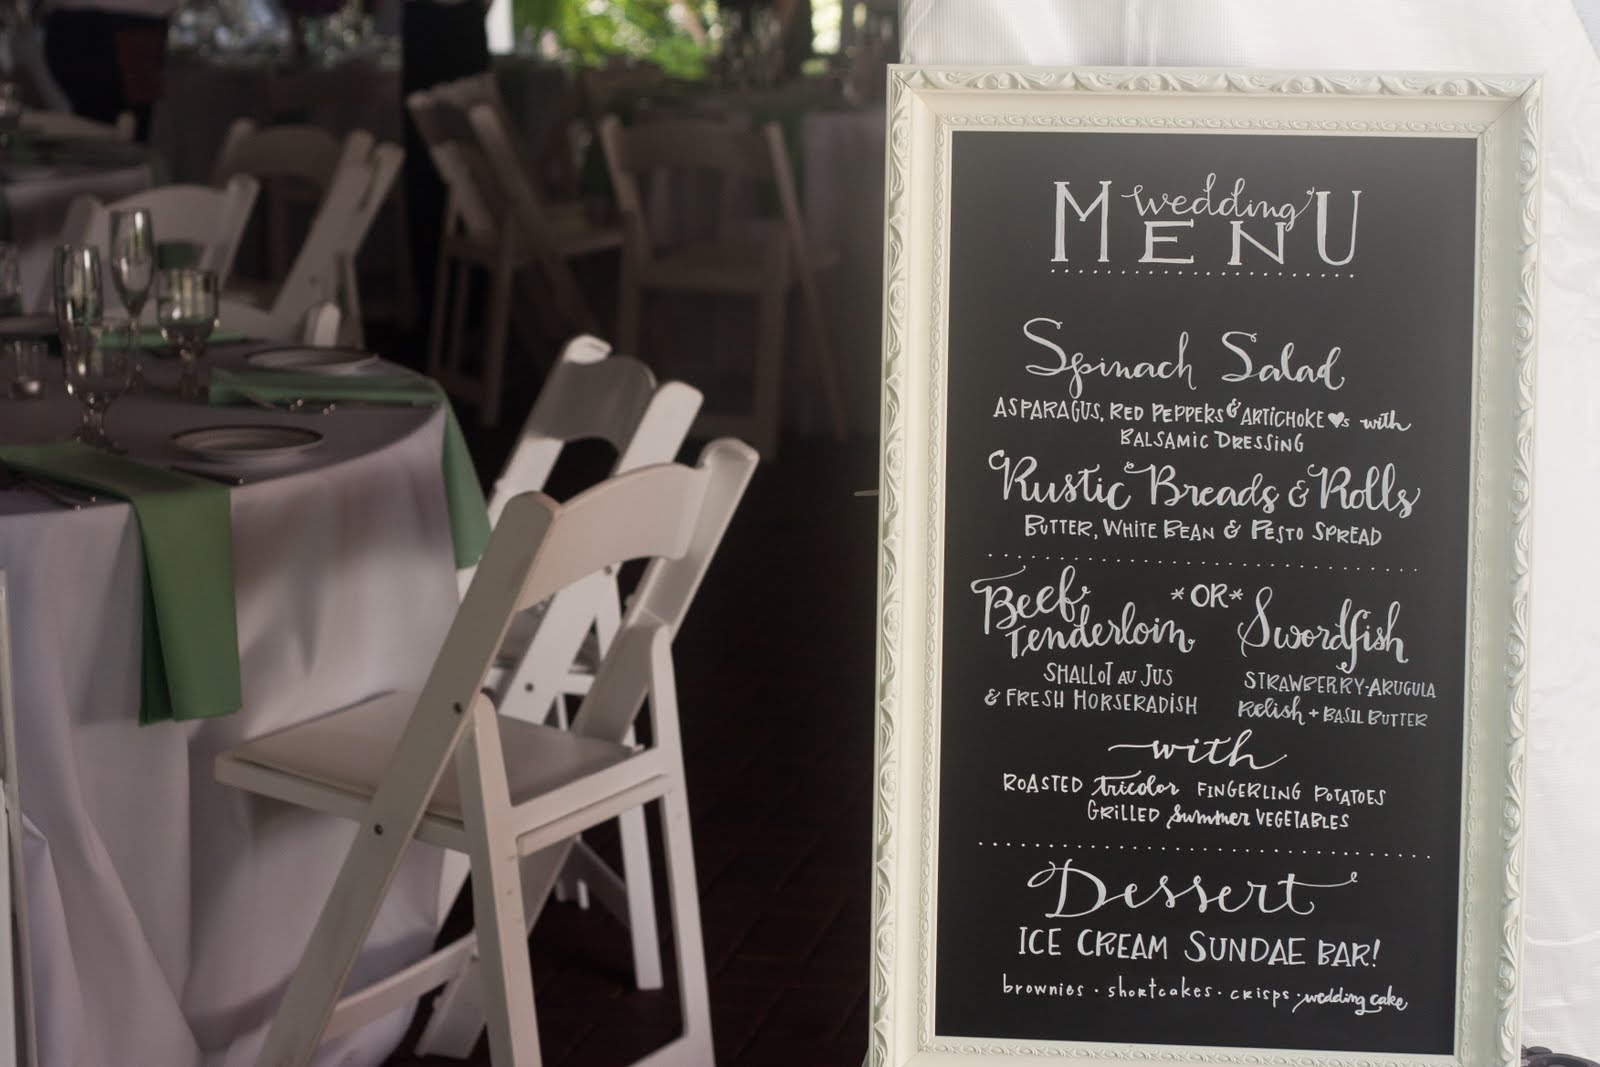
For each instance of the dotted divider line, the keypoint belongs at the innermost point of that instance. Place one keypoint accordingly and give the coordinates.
(1205, 848)
(1207, 273)
(1210, 563)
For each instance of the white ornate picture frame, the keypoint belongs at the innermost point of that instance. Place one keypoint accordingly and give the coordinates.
(928, 107)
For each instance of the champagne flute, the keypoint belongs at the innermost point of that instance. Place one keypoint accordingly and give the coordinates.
(186, 311)
(133, 264)
(80, 301)
(96, 376)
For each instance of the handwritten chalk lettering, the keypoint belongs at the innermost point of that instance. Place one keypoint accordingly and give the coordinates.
(1219, 751)
(1077, 366)
(1346, 535)
(1359, 1003)
(1350, 633)
(1012, 782)
(1337, 685)
(1005, 611)
(1179, 530)
(1099, 205)
(1387, 421)
(1027, 409)
(1267, 530)
(1351, 797)
(1033, 941)
(1378, 490)
(1028, 698)
(1167, 490)
(1131, 528)
(1131, 785)
(1270, 951)
(1275, 418)
(1291, 819)
(1129, 437)
(1274, 997)
(1041, 525)
(1080, 892)
(1272, 708)
(1126, 412)
(1121, 945)
(1154, 234)
(1285, 369)
(1078, 673)
(1237, 790)
(1148, 703)
(1083, 485)
(1098, 812)
(1408, 719)
(1205, 414)
(1234, 204)
(1182, 816)
(1259, 442)
(1020, 988)
(1121, 990)
(1348, 953)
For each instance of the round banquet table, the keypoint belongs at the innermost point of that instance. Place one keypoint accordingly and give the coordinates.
(166, 911)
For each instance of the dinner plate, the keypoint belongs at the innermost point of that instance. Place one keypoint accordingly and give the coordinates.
(246, 444)
(305, 360)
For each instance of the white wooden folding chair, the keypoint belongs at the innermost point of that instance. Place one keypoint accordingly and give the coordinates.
(51, 123)
(740, 255)
(443, 767)
(295, 164)
(17, 1036)
(318, 326)
(549, 655)
(324, 268)
(211, 220)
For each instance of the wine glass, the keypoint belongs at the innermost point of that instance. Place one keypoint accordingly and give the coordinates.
(133, 264)
(96, 376)
(186, 311)
(80, 301)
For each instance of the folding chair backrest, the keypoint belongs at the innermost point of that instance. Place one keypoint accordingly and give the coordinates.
(212, 220)
(469, 202)
(309, 154)
(589, 395)
(16, 1011)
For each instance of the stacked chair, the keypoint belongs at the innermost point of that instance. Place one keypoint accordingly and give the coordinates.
(740, 254)
(443, 766)
(497, 223)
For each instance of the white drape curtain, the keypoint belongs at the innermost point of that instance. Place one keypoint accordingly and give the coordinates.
(1553, 38)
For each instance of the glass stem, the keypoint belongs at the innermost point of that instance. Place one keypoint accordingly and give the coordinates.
(93, 423)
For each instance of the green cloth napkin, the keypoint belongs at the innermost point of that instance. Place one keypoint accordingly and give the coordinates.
(469, 515)
(190, 655)
(149, 337)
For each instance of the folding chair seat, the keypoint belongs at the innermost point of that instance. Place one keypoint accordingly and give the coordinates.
(443, 767)
(749, 255)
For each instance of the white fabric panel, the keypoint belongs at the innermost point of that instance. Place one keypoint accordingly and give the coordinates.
(167, 911)
(1561, 1005)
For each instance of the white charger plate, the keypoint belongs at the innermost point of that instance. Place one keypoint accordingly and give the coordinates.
(306, 360)
(260, 443)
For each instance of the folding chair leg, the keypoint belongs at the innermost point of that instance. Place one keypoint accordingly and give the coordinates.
(441, 296)
(628, 310)
(458, 1014)
(458, 316)
(497, 901)
(769, 371)
(641, 899)
(684, 892)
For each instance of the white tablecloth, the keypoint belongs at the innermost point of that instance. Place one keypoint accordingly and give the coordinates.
(167, 911)
(1561, 997)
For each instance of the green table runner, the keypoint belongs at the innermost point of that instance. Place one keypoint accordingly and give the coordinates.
(469, 516)
(148, 337)
(190, 654)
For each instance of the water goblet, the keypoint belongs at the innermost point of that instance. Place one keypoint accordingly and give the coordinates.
(186, 311)
(133, 264)
(79, 298)
(96, 376)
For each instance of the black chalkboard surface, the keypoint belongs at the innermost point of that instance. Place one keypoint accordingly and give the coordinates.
(1203, 568)
(1207, 467)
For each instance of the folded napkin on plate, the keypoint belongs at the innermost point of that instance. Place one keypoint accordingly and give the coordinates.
(191, 644)
(151, 338)
(469, 515)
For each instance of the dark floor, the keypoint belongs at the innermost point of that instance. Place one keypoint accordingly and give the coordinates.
(775, 684)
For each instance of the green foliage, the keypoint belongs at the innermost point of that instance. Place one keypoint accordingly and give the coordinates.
(592, 32)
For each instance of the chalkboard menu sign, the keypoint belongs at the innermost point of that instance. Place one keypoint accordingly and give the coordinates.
(1203, 566)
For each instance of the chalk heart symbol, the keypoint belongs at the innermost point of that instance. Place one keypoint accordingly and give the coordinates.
(1337, 418)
